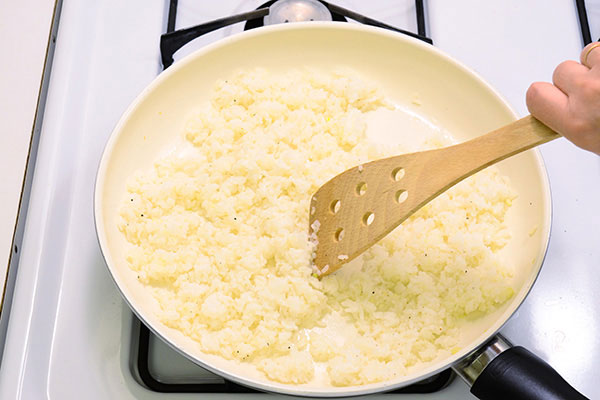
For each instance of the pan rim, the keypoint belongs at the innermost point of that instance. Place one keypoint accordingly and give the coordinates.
(275, 387)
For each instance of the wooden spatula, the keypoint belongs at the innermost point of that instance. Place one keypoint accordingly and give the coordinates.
(361, 205)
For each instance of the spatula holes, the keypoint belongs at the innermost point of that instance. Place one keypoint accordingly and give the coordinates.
(361, 188)
(368, 218)
(398, 173)
(339, 235)
(401, 196)
(335, 205)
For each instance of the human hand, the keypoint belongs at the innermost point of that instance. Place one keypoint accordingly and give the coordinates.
(571, 106)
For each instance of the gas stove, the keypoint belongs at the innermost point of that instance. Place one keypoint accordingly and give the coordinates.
(70, 335)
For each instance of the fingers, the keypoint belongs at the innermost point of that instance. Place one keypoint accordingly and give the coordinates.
(569, 75)
(548, 104)
(572, 105)
(590, 55)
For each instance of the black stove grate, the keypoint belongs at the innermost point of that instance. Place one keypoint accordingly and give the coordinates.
(584, 26)
(173, 39)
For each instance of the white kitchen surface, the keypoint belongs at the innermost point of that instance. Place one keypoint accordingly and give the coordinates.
(24, 32)
(69, 331)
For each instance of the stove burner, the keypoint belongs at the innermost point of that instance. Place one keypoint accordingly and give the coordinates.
(275, 5)
(283, 11)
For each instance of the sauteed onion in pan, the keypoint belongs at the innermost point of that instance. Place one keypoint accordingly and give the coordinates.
(218, 232)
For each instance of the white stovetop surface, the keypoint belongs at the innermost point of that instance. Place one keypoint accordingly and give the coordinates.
(20, 77)
(69, 330)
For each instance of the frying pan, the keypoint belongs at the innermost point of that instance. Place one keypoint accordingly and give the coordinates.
(451, 97)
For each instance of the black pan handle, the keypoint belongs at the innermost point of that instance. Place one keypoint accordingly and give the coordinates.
(518, 374)
(499, 371)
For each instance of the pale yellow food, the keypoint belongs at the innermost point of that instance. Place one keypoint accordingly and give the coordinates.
(219, 234)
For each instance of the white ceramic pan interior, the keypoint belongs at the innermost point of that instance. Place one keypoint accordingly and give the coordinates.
(452, 99)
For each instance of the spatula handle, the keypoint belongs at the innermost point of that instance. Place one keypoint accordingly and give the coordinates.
(444, 168)
(483, 151)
